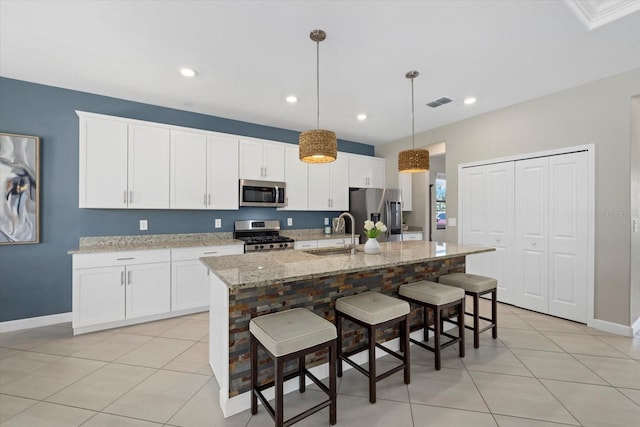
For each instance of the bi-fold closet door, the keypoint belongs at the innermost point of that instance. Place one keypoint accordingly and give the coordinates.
(534, 212)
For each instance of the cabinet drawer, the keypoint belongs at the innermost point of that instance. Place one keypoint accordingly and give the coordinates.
(412, 236)
(107, 259)
(305, 244)
(330, 243)
(184, 254)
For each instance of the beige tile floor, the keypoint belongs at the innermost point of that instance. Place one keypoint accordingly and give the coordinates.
(541, 371)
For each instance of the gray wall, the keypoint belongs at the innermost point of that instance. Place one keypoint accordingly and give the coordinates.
(595, 113)
(35, 280)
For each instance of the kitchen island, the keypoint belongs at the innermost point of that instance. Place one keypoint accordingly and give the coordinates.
(249, 285)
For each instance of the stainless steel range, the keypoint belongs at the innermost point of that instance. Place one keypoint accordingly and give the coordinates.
(261, 235)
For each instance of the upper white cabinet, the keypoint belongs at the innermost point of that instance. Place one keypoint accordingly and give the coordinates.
(327, 185)
(366, 171)
(261, 160)
(296, 175)
(123, 165)
(406, 186)
(203, 169)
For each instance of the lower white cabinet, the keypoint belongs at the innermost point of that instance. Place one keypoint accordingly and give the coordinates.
(335, 243)
(411, 236)
(189, 281)
(118, 286)
(305, 244)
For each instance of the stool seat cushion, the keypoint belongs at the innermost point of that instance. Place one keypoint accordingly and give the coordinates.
(372, 307)
(286, 332)
(469, 282)
(431, 292)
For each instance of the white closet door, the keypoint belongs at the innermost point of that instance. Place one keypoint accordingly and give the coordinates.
(499, 201)
(473, 214)
(532, 240)
(568, 236)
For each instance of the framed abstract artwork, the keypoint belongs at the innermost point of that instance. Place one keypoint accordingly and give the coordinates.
(20, 186)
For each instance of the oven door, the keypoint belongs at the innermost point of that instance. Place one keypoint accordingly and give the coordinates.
(262, 193)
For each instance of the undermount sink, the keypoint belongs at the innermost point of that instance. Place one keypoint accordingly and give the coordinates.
(329, 251)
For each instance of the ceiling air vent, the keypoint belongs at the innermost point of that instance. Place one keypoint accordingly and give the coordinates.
(438, 102)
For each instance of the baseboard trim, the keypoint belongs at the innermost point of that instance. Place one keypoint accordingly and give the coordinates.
(636, 327)
(34, 322)
(615, 328)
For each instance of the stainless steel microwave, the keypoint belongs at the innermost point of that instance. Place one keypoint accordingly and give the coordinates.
(262, 193)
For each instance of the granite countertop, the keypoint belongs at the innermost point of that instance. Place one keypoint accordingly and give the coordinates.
(314, 234)
(265, 268)
(97, 244)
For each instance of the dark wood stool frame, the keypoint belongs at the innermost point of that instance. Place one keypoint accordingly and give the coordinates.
(371, 345)
(476, 315)
(279, 378)
(438, 322)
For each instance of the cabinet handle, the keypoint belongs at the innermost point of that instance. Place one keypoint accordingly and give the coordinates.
(122, 278)
(130, 196)
(265, 171)
(129, 278)
(212, 252)
(209, 199)
(204, 199)
(533, 243)
(125, 259)
(124, 197)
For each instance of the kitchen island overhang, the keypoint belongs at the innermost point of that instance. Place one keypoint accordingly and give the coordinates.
(249, 285)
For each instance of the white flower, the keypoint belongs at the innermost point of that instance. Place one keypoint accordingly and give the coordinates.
(368, 225)
(380, 226)
(372, 230)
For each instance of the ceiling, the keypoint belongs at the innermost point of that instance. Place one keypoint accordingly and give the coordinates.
(250, 55)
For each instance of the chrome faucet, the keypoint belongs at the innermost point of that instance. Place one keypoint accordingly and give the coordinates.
(353, 231)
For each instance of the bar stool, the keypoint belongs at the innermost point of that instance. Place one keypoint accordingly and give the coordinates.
(437, 297)
(285, 336)
(475, 286)
(374, 311)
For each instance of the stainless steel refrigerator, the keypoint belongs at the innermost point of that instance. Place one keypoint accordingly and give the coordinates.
(376, 204)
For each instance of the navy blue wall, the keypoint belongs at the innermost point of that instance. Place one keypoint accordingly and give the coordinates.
(35, 280)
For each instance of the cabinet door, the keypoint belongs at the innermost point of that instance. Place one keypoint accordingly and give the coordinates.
(188, 170)
(189, 285)
(319, 188)
(339, 184)
(297, 179)
(377, 172)
(406, 186)
(222, 173)
(568, 231)
(98, 295)
(532, 239)
(411, 236)
(357, 171)
(148, 289)
(103, 163)
(273, 161)
(251, 159)
(149, 165)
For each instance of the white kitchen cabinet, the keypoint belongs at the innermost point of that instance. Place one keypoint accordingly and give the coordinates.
(203, 170)
(261, 160)
(305, 244)
(408, 236)
(366, 171)
(335, 243)
(296, 175)
(122, 164)
(328, 185)
(406, 186)
(189, 281)
(117, 288)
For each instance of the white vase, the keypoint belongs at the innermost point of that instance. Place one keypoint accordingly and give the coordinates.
(372, 246)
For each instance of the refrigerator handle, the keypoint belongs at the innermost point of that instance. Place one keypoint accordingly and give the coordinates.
(387, 207)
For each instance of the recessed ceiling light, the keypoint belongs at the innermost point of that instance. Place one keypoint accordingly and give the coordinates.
(362, 116)
(292, 99)
(188, 72)
(470, 100)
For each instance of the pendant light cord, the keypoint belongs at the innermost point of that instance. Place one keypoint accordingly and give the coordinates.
(413, 130)
(317, 84)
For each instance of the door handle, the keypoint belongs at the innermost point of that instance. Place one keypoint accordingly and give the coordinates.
(129, 278)
(122, 278)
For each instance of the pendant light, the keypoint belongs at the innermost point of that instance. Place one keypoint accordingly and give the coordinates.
(318, 145)
(412, 161)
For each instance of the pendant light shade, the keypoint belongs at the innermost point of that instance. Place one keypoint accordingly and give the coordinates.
(318, 145)
(412, 161)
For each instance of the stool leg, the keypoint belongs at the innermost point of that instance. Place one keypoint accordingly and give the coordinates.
(254, 375)
(302, 377)
(437, 316)
(404, 338)
(476, 321)
(372, 364)
(494, 312)
(339, 344)
(332, 383)
(461, 328)
(425, 313)
(278, 378)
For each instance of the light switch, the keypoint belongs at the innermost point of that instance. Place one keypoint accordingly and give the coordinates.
(326, 221)
(144, 225)
(289, 222)
(452, 222)
(218, 223)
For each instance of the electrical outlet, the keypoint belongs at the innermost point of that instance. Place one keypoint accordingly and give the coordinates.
(289, 222)
(144, 225)
(326, 221)
(218, 223)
